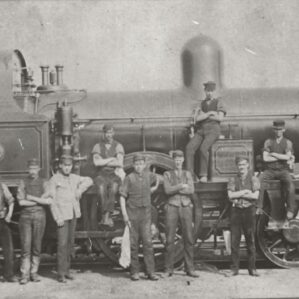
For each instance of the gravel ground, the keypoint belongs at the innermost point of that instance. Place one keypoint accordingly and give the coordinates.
(101, 282)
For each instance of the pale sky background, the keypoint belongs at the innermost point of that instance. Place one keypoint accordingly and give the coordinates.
(136, 45)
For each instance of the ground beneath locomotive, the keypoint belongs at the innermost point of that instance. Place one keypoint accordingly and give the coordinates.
(103, 282)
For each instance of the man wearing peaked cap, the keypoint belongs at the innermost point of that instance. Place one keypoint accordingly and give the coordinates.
(66, 190)
(178, 185)
(135, 202)
(277, 153)
(243, 193)
(32, 198)
(108, 158)
(205, 129)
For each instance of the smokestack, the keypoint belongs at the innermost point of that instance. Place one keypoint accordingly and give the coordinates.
(59, 74)
(45, 74)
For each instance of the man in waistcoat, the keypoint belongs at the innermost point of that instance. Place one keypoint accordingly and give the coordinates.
(277, 152)
(6, 210)
(32, 199)
(66, 190)
(243, 193)
(178, 185)
(206, 118)
(108, 158)
(135, 202)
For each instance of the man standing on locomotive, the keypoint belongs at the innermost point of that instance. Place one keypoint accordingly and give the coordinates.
(108, 157)
(277, 152)
(178, 185)
(66, 190)
(32, 198)
(207, 118)
(6, 209)
(135, 202)
(243, 192)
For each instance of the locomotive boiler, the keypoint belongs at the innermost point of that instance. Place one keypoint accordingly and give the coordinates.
(52, 119)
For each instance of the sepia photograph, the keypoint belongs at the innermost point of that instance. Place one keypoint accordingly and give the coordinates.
(149, 149)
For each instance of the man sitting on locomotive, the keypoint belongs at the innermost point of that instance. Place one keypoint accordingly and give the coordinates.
(243, 192)
(207, 118)
(277, 152)
(108, 157)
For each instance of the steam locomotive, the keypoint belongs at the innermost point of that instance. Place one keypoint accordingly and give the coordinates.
(51, 119)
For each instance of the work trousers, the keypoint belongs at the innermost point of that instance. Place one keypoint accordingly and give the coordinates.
(107, 188)
(32, 227)
(7, 248)
(243, 219)
(287, 186)
(65, 243)
(203, 139)
(175, 214)
(140, 219)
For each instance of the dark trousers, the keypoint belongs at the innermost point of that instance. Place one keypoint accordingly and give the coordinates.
(287, 186)
(8, 250)
(107, 188)
(32, 227)
(173, 216)
(140, 219)
(202, 140)
(243, 219)
(65, 242)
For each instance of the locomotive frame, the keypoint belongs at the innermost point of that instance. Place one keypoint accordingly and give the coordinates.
(152, 131)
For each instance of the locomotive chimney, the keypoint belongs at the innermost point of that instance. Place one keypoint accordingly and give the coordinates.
(53, 78)
(45, 74)
(59, 74)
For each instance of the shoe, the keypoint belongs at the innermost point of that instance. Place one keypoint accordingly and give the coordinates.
(69, 277)
(253, 273)
(169, 273)
(11, 279)
(61, 279)
(135, 276)
(35, 278)
(235, 272)
(24, 280)
(153, 277)
(192, 274)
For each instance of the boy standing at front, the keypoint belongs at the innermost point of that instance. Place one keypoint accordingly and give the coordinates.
(66, 189)
(135, 202)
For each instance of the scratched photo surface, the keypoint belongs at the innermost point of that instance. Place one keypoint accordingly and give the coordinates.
(141, 66)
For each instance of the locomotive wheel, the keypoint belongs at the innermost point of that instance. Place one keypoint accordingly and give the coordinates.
(112, 246)
(277, 245)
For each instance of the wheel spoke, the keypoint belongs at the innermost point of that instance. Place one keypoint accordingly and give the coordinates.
(275, 244)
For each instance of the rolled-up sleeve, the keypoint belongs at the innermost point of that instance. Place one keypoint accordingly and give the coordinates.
(21, 194)
(231, 185)
(289, 146)
(220, 106)
(267, 145)
(168, 187)
(8, 196)
(51, 186)
(124, 188)
(256, 185)
(84, 183)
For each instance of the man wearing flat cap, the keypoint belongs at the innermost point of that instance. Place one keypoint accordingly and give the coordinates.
(178, 185)
(277, 152)
(32, 198)
(243, 193)
(206, 119)
(66, 189)
(108, 158)
(135, 202)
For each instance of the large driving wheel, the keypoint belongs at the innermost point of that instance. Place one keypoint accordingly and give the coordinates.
(111, 246)
(280, 245)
